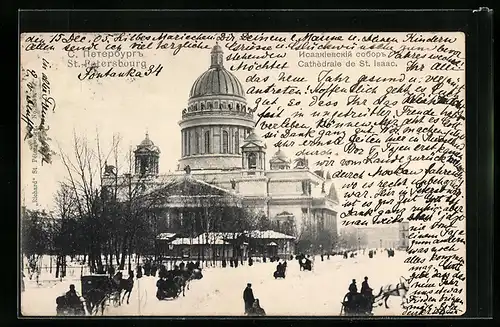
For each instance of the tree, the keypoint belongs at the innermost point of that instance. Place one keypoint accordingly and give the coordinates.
(36, 238)
(84, 169)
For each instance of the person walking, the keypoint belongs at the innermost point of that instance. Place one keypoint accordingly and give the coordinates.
(248, 298)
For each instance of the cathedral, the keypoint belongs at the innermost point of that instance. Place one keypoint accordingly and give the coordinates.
(222, 154)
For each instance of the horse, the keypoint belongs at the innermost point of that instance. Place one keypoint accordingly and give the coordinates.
(182, 282)
(95, 299)
(125, 286)
(399, 289)
(196, 274)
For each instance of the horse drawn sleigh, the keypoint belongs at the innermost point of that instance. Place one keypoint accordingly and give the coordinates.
(357, 305)
(174, 282)
(98, 291)
(362, 304)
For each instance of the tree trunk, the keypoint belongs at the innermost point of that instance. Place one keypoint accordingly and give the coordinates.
(121, 264)
(57, 266)
(63, 266)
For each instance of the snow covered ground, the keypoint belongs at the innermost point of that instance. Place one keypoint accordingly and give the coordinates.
(220, 292)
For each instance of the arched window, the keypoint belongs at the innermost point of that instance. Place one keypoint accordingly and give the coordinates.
(237, 142)
(225, 142)
(202, 106)
(209, 105)
(237, 107)
(197, 143)
(252, 161)
(189, 143)
(207, 142)
(196, 107)
(216, 106)
(230, 106)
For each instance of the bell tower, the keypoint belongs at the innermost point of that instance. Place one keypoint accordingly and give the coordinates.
(147, 157)
(253, 155)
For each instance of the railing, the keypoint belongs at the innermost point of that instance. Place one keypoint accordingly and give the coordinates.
(217, 113)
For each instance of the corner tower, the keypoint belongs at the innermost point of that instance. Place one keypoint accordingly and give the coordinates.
(216, 120)
(147, 156)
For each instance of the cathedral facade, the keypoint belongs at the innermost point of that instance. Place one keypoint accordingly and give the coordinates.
(221, 149)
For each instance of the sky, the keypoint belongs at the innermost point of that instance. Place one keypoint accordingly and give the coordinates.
(130, 107)
(105, 107)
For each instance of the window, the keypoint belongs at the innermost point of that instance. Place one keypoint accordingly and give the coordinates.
(207, 142)
(210, 105)
(144, 165)
(185, 143)
(197, 143)
(252, 161)
(230, 106)
(225, 142)
(188, 143)
(202, 106)
(237, 142)
(237, 107)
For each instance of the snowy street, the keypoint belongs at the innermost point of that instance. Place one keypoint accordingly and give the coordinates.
(316, 293)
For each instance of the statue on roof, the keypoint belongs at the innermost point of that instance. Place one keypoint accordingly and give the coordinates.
(109, 169)
(301, 163)
(187, 169)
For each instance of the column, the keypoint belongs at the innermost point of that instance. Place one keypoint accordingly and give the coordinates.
(182, 144)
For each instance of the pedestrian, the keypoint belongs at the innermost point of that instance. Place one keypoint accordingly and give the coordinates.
(248, 298)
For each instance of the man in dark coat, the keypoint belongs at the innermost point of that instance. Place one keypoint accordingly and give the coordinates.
(366, 291)
(73, 300)
(365, 288)
(353, 289)
(248, 298)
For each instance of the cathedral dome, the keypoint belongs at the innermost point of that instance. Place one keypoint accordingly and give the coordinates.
(280, 155)
(217, 80)
(253, 138)
(216, 121)
(147, 144)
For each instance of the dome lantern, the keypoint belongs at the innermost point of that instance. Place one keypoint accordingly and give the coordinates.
(217, 57)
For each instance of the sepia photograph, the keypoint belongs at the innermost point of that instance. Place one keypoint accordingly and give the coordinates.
(242, 174)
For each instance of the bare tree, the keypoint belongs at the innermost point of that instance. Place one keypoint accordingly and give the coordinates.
(84, 177)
